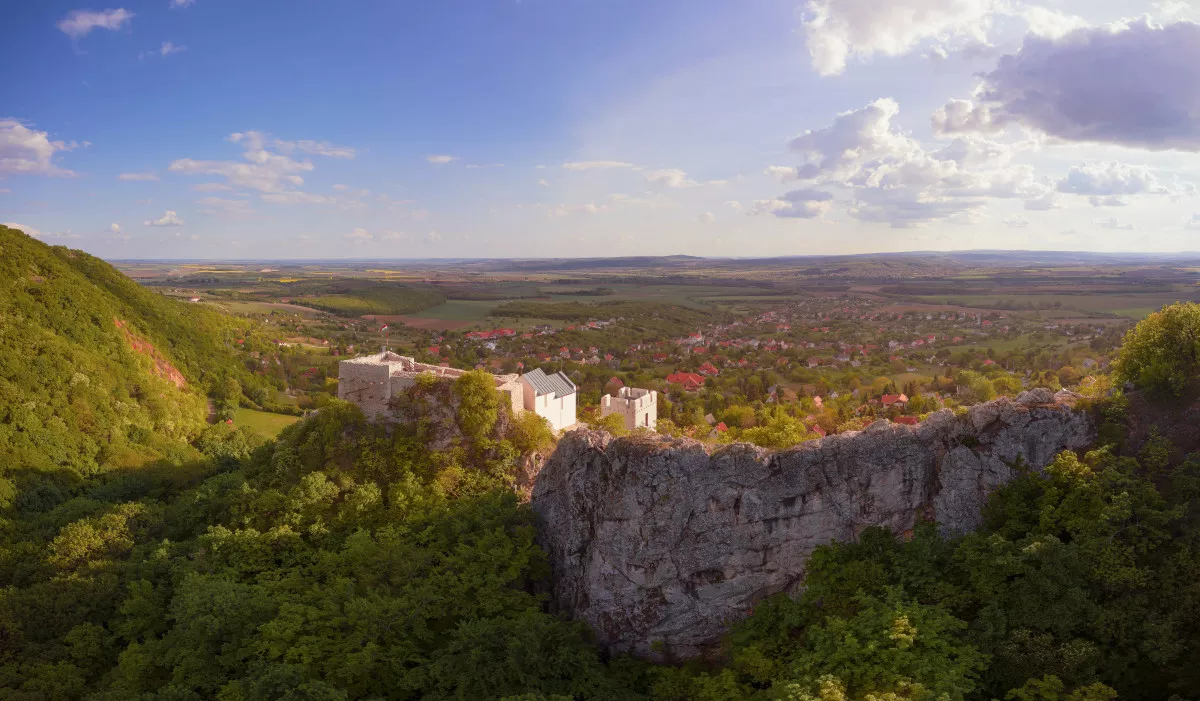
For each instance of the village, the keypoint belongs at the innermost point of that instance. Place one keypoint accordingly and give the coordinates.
(830, 364)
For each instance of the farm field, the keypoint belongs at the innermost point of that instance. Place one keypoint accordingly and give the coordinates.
(264, 423)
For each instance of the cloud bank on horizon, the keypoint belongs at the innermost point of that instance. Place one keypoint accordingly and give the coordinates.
(825, 126)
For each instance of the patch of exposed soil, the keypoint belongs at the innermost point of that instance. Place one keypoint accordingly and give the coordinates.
(162, 367)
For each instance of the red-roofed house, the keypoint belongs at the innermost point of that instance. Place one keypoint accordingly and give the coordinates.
(722, 428)
(690, 381)
(709, 369)
(890, 400)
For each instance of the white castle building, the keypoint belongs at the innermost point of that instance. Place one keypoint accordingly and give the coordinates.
(551, 397)
(372, 381)
(639, 407)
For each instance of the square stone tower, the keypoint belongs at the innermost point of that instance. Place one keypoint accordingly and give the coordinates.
(639, 407)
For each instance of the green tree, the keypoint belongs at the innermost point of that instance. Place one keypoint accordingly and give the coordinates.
(1161, 354)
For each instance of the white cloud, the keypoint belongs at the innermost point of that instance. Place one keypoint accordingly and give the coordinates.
(1043, 203)
(670, 177)
(1052, 24)
(783, 174)
(543, 182)
(595, 165)
(894, 178)
(211, 187)
(963, 116)
(43, 235)
(734, 205)
(268, 167)
(359, 236)
(137, 176)
(707, 218)
(1016, 222)
(78, 23)
(797, 204)
(1111, 184)
(168, 48)
(839, 30)
(441, 159)
(169, 218)
(25, 150)
(1112, 223)
(1132, 84)
(341, 188)
(1193, 222)
(114, 228)
(473, 166)
(179, 4)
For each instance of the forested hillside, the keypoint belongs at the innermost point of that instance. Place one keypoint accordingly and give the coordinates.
(97, 372)
(147, 557)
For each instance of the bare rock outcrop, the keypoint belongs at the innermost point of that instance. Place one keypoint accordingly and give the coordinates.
(659, 545)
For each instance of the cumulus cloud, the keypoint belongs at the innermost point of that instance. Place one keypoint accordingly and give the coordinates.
(1053, 24)
(706, 218)
(268, 165)
(78, 23)
(1133, 84)
(25, 150)
(958, 116)
(595, 165)
(211, 187)
(169, 218)
(296, 197)
(1112, 223)
(180, 4)
(340, 187)
(1111, 184)
(543, 182)
(440, 159)
(137, 176)
(114, 228)
(804, 203)
(1016, 222)
(359, 236)
(839, 30)
(168, 48)
(894, 178)
(670, 177)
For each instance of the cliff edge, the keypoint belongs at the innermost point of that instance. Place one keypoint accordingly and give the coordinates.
(659, 545)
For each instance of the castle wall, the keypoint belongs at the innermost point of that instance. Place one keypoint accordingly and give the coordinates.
(638, 407)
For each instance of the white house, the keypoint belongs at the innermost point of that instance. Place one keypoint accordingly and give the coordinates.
(550, 396)
(639, 407)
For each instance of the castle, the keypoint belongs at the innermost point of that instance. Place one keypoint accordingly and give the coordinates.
(639, 407)
(372, 381)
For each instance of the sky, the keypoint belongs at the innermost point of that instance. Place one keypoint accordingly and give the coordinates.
(311, 129)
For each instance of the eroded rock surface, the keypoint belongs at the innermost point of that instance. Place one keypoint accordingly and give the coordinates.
(659, 545)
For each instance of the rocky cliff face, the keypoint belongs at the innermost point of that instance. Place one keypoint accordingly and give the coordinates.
(659, 545)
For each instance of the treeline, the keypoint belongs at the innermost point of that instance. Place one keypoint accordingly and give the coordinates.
(361, 297)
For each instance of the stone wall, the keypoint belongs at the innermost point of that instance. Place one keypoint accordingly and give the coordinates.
(371, 381)
(638, 407)
(659, 545)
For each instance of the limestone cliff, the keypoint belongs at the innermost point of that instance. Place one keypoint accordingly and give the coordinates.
(658, 545)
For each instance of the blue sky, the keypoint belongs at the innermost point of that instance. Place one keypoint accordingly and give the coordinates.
(303, 129)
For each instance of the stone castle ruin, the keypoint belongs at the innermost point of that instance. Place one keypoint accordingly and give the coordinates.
(639, 407)
(372, 381)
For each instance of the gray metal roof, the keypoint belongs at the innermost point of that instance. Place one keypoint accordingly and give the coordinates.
(557, 384)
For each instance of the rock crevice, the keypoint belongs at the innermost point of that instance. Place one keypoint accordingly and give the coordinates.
(659, 545)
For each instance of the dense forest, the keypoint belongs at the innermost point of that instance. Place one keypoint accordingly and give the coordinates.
(147, 555)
